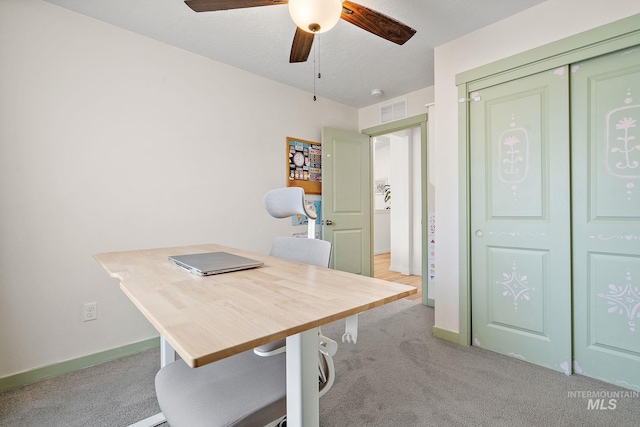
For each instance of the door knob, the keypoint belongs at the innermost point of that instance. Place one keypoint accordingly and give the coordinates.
(328, 222)
(479, 233)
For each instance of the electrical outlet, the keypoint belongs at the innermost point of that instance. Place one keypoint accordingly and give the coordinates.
(90, 311)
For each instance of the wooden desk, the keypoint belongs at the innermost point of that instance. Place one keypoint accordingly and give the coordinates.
(209, 318)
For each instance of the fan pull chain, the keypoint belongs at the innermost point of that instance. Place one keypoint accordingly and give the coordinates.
(319, 75)
(317, 43)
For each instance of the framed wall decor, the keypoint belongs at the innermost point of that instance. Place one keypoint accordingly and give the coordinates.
(378, 185)
(304, 165)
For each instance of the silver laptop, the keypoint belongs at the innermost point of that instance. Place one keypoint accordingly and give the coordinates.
(210, 263)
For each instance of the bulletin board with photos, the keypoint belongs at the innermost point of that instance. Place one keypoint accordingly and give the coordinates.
(304, 165)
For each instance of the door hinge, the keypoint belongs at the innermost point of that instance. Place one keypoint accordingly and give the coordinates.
(475, 97)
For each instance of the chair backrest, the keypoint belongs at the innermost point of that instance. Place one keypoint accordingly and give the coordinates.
(289, 201)
(308, 251)
(286, 202)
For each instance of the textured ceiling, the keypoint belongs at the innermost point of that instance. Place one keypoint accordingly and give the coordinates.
(352, 61)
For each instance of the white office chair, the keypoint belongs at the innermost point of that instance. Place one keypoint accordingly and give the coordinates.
(284, 203)
(248, 389)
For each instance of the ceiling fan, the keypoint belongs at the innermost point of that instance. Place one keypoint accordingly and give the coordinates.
(318, 16)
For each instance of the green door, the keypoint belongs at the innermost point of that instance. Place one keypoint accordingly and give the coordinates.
(605, 99)
(346, 199)
(520, 219)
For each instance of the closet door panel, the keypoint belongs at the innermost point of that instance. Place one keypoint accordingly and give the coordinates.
(515, 161)
(606, 217)
(520, 219)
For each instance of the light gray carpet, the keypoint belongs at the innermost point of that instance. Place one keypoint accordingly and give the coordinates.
(116, 393)
(396, 375)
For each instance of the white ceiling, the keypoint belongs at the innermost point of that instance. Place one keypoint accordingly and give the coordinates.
(352, 61)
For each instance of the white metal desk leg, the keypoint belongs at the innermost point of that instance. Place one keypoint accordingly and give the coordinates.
(167, 353)
(303, 401)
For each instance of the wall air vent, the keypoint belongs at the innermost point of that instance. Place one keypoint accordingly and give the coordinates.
(393, 111)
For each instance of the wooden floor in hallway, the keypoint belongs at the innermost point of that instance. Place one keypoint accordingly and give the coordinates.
(381, 270)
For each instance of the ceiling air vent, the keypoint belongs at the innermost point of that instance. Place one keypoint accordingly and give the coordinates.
(394, 111)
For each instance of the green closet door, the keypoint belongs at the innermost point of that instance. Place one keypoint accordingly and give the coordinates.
(605, 99)
(520, 219)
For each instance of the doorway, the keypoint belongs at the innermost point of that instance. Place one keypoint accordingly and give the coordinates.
(396, 199)
(399, 188)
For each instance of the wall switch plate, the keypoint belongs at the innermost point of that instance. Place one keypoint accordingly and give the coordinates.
(90, 311)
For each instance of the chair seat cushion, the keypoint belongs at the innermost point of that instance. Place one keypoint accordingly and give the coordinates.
(241, 390)
(272, 346)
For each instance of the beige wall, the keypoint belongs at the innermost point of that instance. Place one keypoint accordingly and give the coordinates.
(112, 141)
(540, 25)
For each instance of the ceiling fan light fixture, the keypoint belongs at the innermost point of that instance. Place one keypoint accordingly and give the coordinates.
(315, 16)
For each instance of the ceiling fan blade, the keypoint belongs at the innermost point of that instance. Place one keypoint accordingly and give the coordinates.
(302, 42)
(376, 23)
(211, 5)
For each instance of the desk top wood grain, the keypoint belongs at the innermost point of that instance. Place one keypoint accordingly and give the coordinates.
(209, 318)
